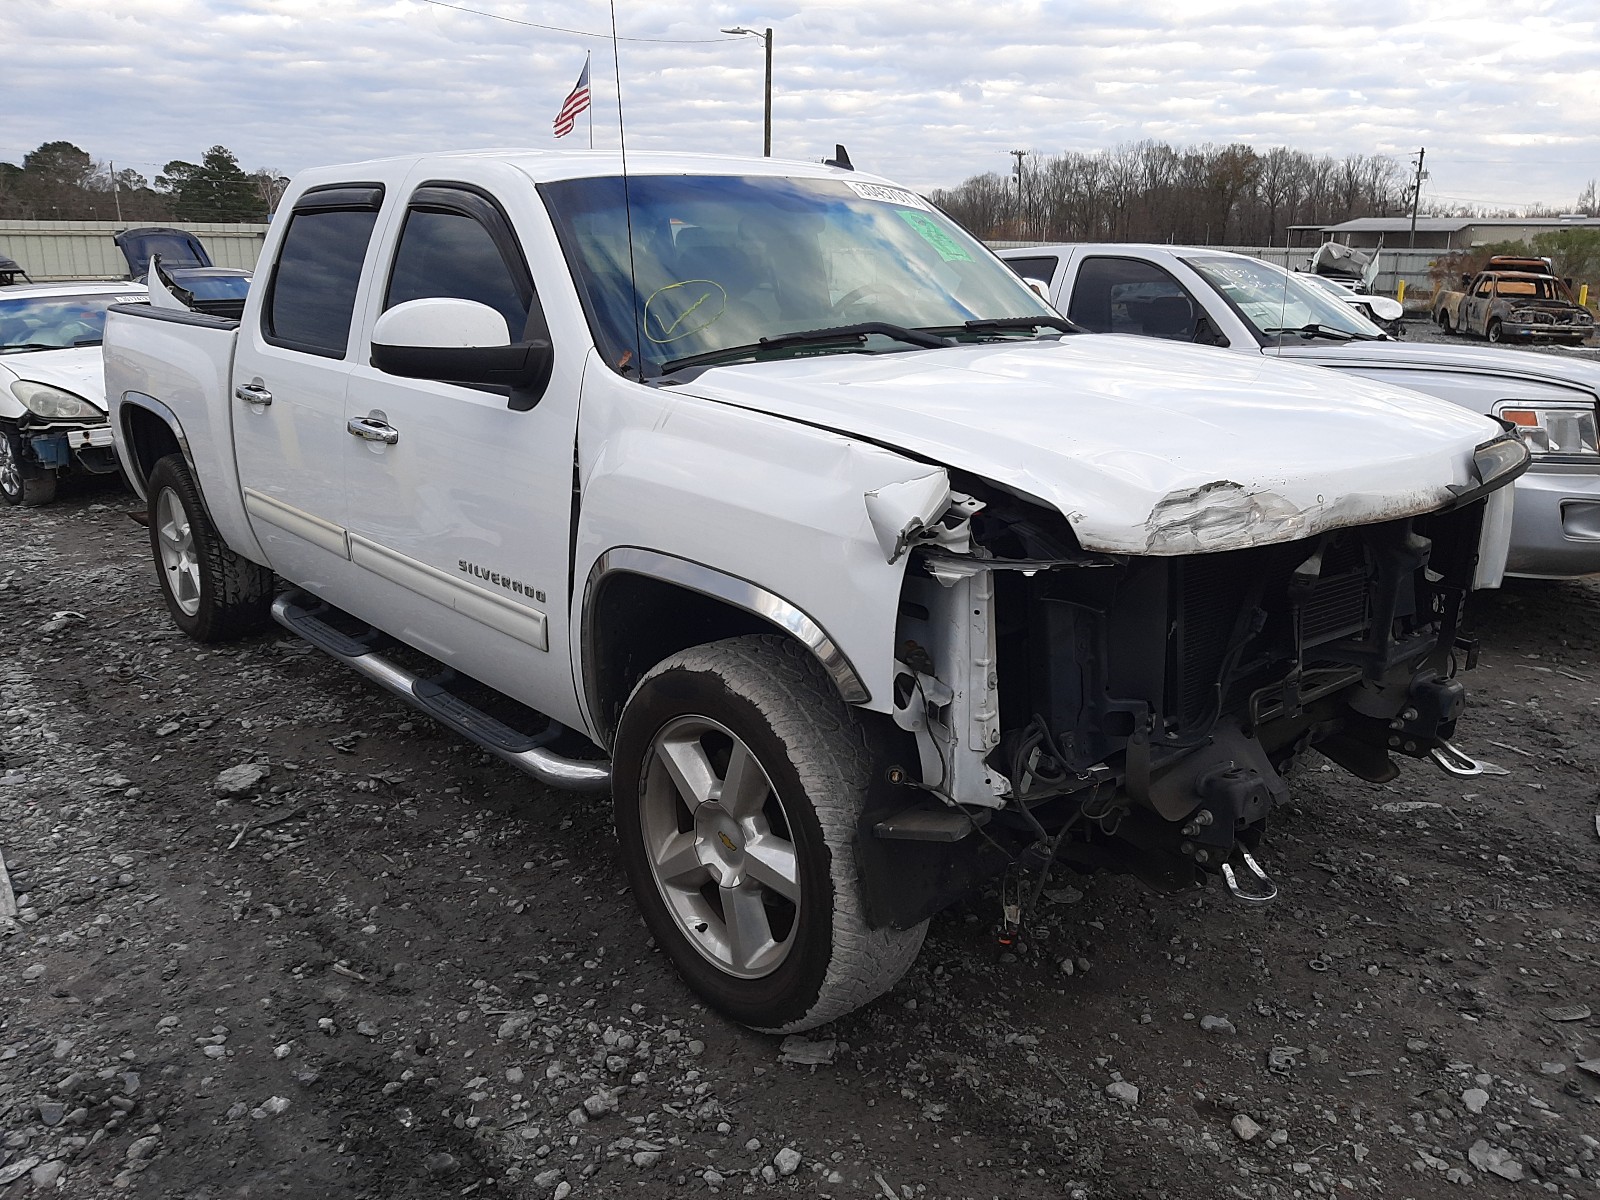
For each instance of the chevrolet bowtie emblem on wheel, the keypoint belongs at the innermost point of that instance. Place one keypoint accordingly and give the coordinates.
(729, 843)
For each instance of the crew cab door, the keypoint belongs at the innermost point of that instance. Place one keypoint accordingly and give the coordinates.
(459, 507)
(290, 369)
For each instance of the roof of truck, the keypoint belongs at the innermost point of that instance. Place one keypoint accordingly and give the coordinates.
(543, 165)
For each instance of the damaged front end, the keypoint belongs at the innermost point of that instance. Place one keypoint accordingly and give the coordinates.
(1138, 713)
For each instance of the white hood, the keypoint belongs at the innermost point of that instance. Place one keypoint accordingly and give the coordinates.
(1145, 448)
(79, 370)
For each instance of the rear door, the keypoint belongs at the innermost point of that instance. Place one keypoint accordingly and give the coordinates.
(290, 371)
(461, 525)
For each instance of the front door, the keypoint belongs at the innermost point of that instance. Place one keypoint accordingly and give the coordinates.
(291, 367)
(460, 525)
(1475, 307)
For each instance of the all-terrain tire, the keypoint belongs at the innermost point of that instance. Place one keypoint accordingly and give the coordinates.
(769, 694)
(22, 482)
(213, 593)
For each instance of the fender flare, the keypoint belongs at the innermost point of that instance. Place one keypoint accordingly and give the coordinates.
(124, 437)
(709, 581)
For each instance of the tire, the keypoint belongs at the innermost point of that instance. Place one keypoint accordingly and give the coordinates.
(759, 708)
(1495, 332)
(213, 594)
(22, 482)
(1444, 320)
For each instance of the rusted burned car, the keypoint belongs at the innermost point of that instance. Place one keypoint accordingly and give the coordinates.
(1511, 302)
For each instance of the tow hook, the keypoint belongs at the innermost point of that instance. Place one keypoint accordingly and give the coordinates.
(1260, 877)
(1453, 761)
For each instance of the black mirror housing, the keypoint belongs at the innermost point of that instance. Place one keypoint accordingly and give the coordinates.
(523, 367)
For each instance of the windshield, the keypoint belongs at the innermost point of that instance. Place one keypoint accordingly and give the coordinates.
(212, 287)
(721, 262)
(56, 322)
(1271, 299)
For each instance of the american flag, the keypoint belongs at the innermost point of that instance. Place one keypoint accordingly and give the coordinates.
(574, 104)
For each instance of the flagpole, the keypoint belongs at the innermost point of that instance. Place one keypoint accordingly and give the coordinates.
(587, 55)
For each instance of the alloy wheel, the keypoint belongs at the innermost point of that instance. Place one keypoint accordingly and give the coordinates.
(719, 847)
(10, 466)
(179, 560)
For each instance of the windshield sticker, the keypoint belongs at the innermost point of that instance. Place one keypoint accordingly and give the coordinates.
(949, 249)
(887, 195)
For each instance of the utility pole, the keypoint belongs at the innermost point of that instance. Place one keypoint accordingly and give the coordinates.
(1019, 155)
(766, 37)
(1416, 194)
(115, 193)
(766, 137)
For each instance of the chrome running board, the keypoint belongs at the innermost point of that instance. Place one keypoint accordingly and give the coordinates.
(302, 615)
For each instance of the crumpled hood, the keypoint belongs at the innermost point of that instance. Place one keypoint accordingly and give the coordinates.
(1557, 368)
(1145, 448)
(79, 370)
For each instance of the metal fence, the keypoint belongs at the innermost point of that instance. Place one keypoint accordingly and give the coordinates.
(1393, 266)
(53, 250)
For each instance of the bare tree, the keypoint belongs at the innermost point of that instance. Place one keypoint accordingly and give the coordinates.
(1229, 195)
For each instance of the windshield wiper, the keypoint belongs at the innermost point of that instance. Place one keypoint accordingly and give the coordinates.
(29, 346)
(1022, 324)
(839, 335)
(1314, 330)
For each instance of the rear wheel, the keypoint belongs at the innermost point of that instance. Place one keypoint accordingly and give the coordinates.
(739, 778)
(213, 594)
(21, 481)
(1444, 320)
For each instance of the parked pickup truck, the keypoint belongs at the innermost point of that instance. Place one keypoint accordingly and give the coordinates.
(763, 496)
(1514, 300)
(1191, 294)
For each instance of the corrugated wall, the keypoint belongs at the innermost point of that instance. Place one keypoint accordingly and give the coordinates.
(50, 250)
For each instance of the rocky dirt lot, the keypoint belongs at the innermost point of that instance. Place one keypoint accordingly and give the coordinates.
(279, 937)
(1419, 329)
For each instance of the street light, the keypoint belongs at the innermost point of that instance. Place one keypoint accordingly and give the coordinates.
(766, 140)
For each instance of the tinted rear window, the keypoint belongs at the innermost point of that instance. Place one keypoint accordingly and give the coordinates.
(314, 285)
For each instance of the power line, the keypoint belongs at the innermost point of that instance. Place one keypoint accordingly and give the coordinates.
(575, 32)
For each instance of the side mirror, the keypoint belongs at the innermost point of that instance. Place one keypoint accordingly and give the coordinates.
(460, 341)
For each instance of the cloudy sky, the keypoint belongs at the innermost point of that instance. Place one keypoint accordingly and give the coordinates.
(1504, 94)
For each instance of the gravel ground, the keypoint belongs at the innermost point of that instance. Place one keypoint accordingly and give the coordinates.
(1419, 329)
(278, 936)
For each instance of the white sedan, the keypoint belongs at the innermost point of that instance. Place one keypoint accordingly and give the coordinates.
(1382, 311)
(52, 386)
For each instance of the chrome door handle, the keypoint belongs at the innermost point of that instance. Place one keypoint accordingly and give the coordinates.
(369, 429)
(252, 393)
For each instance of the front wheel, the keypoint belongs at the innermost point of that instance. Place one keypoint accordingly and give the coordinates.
(739, 778)
(22, 482)
(213, 594)
(1496, 332)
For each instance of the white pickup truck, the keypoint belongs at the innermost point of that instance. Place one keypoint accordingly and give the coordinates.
(761, 495)
(1212, 297)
